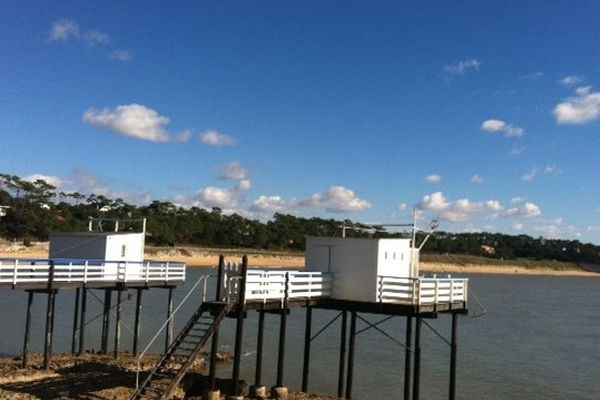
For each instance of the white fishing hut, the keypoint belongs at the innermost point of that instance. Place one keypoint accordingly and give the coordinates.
(356, 263)
(112, 248)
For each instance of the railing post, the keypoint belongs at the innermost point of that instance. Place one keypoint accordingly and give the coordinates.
(85, 271)
(16, 265)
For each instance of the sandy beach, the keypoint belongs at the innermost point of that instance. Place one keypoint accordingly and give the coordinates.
(209, 257)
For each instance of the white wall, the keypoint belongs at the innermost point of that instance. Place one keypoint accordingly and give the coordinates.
(125, 247)
(355, 263)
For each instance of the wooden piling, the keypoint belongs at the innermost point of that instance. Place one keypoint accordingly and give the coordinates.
(453, 354)
(49, 318)
(118, 324)
(105, 321)
(239, 329)
(75, 322)
(27, 335)
(169, 332)
(214, 348)
(82, 320)
(138, 316)
(282, 335)
(417, 365)
(307, 341)
(350, 376)
(259, 349)
(342, 362)
(407, 358)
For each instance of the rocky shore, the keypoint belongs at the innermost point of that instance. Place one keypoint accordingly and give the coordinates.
(95, 377)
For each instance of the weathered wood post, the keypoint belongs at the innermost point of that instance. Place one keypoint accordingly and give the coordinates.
(239, 329)
(118, 324)
(214, 393)
(417, 367)
(138, 316)
(307, 341)
(279, 391)
(258, 390)
(453, 354)
(106, 321)
(25, 355)
(407, 358)
(75, 322)
(169, 332)
(82, 320)
(342, 363)
(350, 378)
(49, 317)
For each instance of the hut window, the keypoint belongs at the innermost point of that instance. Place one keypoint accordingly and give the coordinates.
(123, 250)
(394, 255)
(386, 255)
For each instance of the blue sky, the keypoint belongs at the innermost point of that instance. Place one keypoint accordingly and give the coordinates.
(482, 114)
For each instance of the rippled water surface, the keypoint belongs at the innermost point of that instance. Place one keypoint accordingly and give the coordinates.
(539, 339)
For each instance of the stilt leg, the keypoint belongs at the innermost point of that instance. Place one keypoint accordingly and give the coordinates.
(27, 335)
(82, 320)
(75, 322)
(350, 378)
(342, 363)
(453, 354)
(307, 336)
(407, 358)
(169, 335)
(138, 315)
(118, 324)
(417, 368)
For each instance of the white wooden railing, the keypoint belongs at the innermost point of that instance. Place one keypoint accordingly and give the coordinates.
(39, 271)
(421, 290)
(262, 285)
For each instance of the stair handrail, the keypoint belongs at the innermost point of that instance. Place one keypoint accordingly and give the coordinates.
(143, 353)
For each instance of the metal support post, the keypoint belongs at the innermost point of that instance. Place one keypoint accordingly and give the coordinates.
(75, 322)
(453, 354)
(105, 321)
(350, 377)
(138, 315)
(27, 335)
(417, 367)
(215, 337)
(282, 334)
(118, 324)
(259, 348)
(49, 318)
(307, 335)
(407, 358)
(169, 331)
(342, 363)
(239, 329)
(82, 320)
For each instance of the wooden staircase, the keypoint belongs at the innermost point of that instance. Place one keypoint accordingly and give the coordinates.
(179, 358)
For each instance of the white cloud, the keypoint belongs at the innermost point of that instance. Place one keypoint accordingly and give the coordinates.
(121, 55)
(434, 178)
(244, 185)
(557, 231)
(516, 151)
(534, 172)
(218, 197)
(68, 29)
(582, 108)
(233, 172)
(462, 66)
(337, 199)
(529, 210)
(517, 227)
(132, 120)
(533, 76)
(184, 136)
(52, 180)
(402, 206)
(64, 29)
(477, 179)
(593, 228)
(217, 139)
(516, 200)
(499, 126)
(458, 211)
(571, 80)
(530, 176)
(268, 205)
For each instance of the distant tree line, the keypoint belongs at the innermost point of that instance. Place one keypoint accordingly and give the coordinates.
(36, 209)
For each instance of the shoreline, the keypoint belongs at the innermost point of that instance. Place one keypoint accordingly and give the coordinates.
(209, 257)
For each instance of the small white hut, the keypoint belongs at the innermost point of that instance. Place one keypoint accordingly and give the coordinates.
(112, 249)
(356, 263)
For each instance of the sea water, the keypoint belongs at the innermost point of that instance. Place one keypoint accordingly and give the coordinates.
(539, 339)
